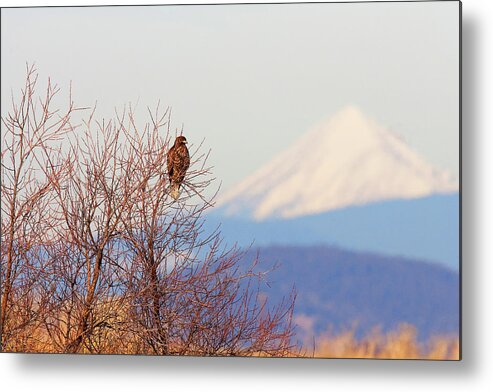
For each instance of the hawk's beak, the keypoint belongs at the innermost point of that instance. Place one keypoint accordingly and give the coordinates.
(185, 142)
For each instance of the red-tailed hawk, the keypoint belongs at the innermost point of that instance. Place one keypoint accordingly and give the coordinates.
(178, 163)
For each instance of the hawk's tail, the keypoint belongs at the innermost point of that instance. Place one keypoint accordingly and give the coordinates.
(175, 191)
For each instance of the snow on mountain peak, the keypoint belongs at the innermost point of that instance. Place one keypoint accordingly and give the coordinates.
(348, 160)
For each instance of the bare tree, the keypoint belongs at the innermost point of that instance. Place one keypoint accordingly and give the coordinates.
(119, 265)
(30, 129)
(189, 295)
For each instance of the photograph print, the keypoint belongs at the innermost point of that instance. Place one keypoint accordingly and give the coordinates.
(256, 180)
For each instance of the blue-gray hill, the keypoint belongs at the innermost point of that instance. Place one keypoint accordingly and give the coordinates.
(339, 288)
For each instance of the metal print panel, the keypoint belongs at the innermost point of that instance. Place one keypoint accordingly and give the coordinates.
(273, 180)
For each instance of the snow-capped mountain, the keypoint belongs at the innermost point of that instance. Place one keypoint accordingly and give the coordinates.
(349, 160)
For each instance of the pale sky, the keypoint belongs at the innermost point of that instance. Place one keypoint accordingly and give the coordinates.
(250, 79)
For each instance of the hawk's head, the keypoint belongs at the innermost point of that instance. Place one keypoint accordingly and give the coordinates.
(180, 140)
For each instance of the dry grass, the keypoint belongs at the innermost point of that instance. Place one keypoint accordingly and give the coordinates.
(399, 344)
